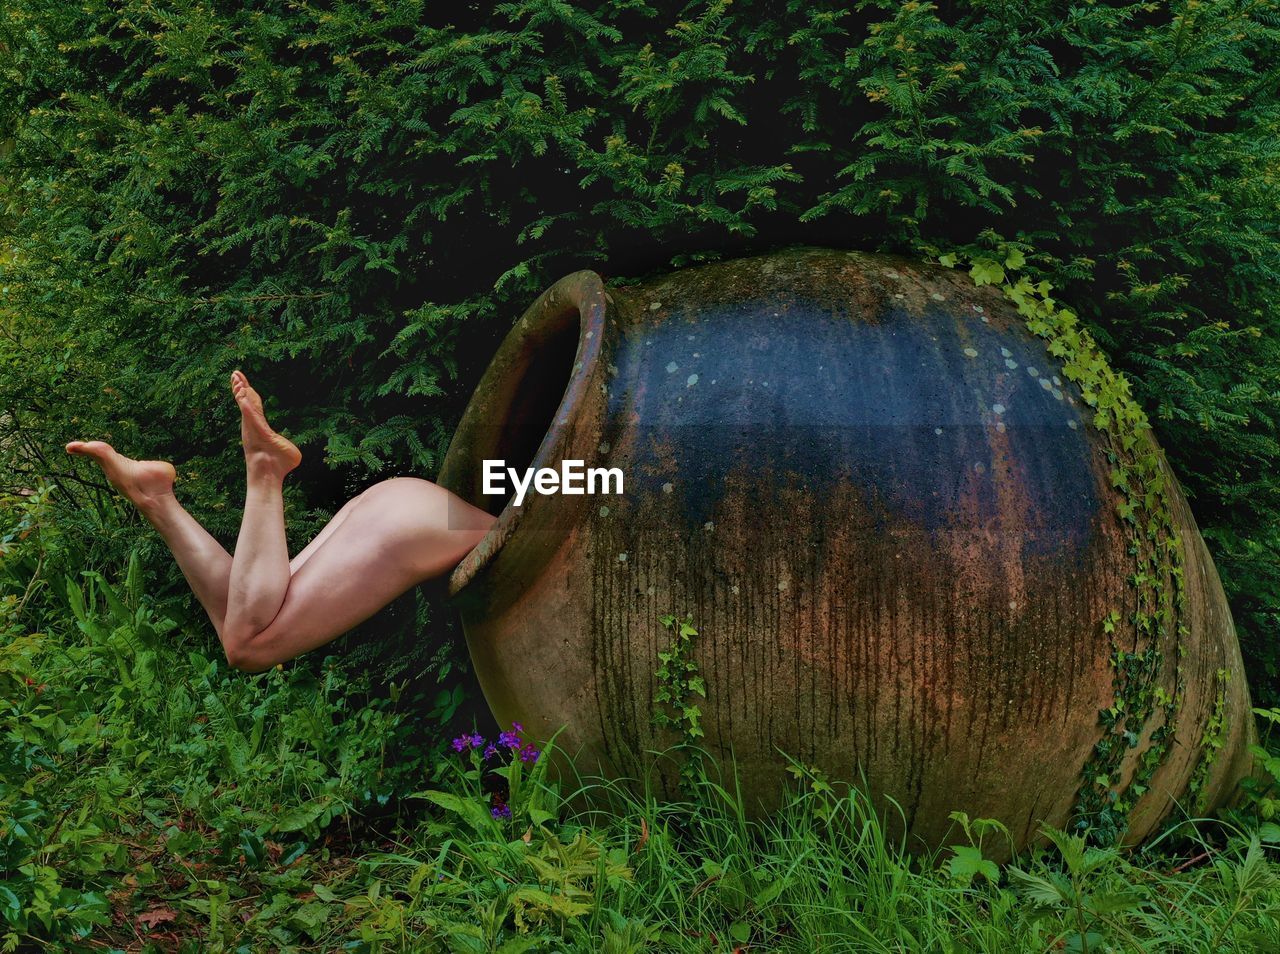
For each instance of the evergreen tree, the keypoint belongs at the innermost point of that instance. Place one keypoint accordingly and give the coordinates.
(353, 201)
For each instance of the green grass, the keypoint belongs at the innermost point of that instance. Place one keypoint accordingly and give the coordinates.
(152, 799)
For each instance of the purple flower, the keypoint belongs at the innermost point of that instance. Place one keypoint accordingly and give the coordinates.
(512, 740)
(490, 751)
(500, 811)
(529, 754)
(464, 742)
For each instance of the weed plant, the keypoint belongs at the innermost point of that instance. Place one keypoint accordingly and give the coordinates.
(153, 800)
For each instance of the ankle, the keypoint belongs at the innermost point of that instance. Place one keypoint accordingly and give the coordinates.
(264, 468)
(155, 506)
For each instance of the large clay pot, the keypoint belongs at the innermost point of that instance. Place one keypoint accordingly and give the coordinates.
(887, 513)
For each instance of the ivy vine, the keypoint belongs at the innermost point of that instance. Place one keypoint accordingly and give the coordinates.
(679, 683)
(1141, 633)
(1215, 731)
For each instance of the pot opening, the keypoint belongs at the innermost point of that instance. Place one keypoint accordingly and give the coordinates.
(519, 410)
(534, 394)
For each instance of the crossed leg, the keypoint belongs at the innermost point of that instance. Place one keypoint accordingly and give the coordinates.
(265, 607)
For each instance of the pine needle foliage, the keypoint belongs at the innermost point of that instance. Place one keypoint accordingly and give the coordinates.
(353, 201)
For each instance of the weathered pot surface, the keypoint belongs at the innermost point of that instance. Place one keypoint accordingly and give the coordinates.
(883, 506)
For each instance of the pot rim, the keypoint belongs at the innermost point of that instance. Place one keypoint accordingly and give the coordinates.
(581, 291)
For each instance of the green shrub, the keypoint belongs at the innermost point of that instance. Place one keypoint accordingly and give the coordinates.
(151, 797)
(119, 742)
(820, 874)
(352, 201)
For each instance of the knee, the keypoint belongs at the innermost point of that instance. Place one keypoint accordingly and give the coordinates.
(244, 654)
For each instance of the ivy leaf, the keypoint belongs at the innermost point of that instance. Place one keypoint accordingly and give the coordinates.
(986, 272)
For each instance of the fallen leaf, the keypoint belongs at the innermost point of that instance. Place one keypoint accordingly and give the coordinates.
(157, 916)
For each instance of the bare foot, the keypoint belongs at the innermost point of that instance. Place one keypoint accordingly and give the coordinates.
(144, 482)
(263, 447)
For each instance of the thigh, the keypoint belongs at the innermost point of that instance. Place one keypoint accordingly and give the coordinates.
(325, 533)
(396, 535)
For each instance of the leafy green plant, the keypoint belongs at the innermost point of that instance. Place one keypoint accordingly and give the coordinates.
(680, 683)
(1080, 891)
(968, 862)
(1155, 627)
(522, 795)
(121, 744)
(1262, 789)
(351, 202)
(1210, 743)
(353, 206)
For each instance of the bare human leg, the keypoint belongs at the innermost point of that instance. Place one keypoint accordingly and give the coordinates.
(203, 560)
(267, 609)
(401, 532)
(149, 485)
(325, 533)
(260, 568)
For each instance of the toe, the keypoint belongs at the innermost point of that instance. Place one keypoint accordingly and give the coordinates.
(98, 450)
